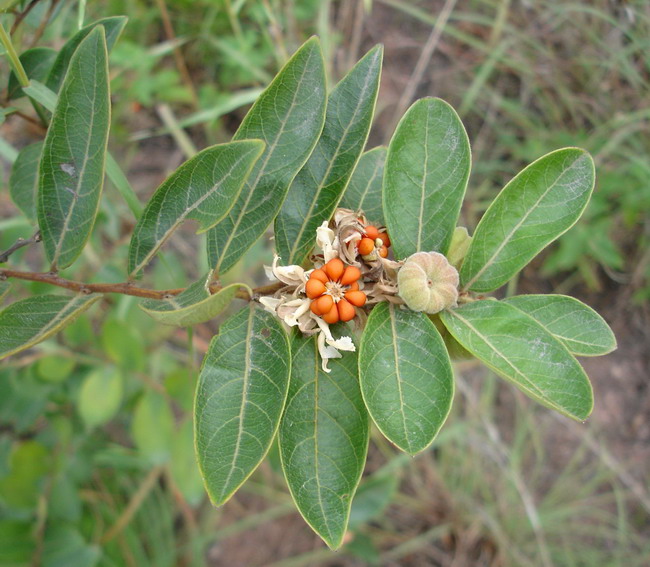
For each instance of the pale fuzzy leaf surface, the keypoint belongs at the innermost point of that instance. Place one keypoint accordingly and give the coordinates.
(71, 172)
(37, 63)
(113, 27)
(241, 393)
(578, 326)
(318, 187)
(519, 349)
(29, 321)
(323, 438)
(202, 189)
(288, 116)
(425, 177)
(193, 306)
(5, 286)
(22, 183)
(539, 204)
(364, 189)
(406, 376)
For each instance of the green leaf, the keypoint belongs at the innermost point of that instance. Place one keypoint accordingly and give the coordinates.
(29, 321)
(41, 94)
(37, 63)
(153, 427)
(123, 344)
(426, 173)
(578, 326)
(193, 306)
(288, 116)
(113, 27)
(373, 497)
(518, 348)
(23, 180)
(100, 396)
(202, 189)
(71, 172)
(542, 202)
(240, 396)
(5, 286)
(318, 187)
(323, 438)
(364, 189)
(183, 466)
(406, 377)
(64, 546)
(55, 367)
(28, 464)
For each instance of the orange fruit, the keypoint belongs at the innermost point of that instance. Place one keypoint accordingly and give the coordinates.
(366, 246)
(350, 275)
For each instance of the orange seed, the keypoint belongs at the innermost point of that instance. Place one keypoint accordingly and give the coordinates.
(332, 316)
(350, 275)
(346, 311)
(334, 269)
(383, 251)
(372, 232)
(357, 298)
(314, 288)
(324, 303)
(320, 275)
(366, 246)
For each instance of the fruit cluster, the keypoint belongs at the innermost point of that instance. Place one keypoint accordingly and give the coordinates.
(334, 291)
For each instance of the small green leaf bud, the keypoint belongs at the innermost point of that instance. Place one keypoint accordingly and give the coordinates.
(460, 242)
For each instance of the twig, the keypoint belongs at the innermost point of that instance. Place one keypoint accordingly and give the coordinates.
(20, 243)
(41, 27)
(178, 54)
(423, 61)
(138, 498)
(124, 288)
(22, 15)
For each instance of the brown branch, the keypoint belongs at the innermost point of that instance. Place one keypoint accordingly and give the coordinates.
(124, 288)
(22, 15)
(20, 243)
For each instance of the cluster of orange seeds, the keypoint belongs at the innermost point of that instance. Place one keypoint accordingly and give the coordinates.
(334, 291)
(367, 244)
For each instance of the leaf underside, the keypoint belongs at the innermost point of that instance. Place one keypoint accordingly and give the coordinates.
(364, 189)
(24, 177)
(578, 326)
(537, 206)
(318, 187)
(193, 306)
(323, 438)
(520, 350)
(71, 173)
(29, 321)
(425, 177)
(239, 400)
(288, 116)
(202, 189)
(406, 376)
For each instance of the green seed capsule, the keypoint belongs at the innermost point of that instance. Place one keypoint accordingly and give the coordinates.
(428, 282)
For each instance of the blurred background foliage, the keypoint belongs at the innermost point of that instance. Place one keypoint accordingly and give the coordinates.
(96, 451)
